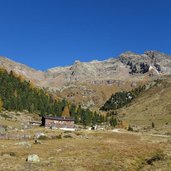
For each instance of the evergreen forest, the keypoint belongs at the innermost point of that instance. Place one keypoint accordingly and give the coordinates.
(121, 99)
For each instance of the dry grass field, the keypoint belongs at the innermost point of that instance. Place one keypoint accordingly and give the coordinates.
(94, 150)
(152, 106)
(87, 151)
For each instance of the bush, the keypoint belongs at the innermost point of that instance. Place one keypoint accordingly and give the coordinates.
(156, 157)
(153, 125)
(130, 128)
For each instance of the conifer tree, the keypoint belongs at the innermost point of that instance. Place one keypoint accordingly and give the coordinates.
(1, 104)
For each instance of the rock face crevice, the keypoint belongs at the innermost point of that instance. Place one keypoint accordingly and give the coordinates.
(101, 77)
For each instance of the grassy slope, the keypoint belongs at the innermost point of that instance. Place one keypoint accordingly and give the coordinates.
(86, 92)
(152, 106)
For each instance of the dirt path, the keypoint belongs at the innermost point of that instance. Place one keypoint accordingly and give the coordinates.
(123, 131)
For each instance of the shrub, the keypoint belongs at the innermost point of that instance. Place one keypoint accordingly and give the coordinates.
(130, 128)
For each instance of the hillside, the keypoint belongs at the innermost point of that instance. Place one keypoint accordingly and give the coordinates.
(21, 69)
(17, 94)
(153, 105)
(92, 83)
(123, 98)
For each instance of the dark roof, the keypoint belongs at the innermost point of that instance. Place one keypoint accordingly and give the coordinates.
(58, 118)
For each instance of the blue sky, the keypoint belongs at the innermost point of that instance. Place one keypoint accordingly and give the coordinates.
(47, 33)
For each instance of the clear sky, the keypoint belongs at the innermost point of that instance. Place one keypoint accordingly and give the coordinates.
(47, 33)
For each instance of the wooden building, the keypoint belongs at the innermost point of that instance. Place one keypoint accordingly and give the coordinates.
(58, 122)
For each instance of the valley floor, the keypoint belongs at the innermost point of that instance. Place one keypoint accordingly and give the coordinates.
(86, 151)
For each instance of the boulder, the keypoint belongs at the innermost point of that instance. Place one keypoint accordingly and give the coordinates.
(34, 158)
(2, 130)
(40, 135)
(37, 142)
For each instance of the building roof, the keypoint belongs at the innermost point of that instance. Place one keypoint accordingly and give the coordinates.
(58, 118)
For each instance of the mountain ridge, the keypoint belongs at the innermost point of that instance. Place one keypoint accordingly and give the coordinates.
(93, 82)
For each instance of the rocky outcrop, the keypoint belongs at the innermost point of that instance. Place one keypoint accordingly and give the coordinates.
(141, 63)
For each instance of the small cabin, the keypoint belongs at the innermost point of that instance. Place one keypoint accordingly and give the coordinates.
(58, 122)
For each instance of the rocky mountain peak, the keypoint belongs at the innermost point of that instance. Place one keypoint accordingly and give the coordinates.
(124, 66)
(140, 63)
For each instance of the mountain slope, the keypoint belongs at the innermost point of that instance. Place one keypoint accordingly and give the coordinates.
(92, 83)
(17, 94)
(153, 105)
(23, 70)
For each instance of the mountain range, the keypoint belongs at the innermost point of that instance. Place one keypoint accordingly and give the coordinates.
(92, 83)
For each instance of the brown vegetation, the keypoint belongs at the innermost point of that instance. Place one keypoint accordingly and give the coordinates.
(86, 151)
(151, 108)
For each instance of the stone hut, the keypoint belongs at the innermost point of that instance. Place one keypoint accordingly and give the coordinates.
(58, 122)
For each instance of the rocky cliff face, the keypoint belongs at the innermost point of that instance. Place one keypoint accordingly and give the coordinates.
(91, 83)
(141, 63)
